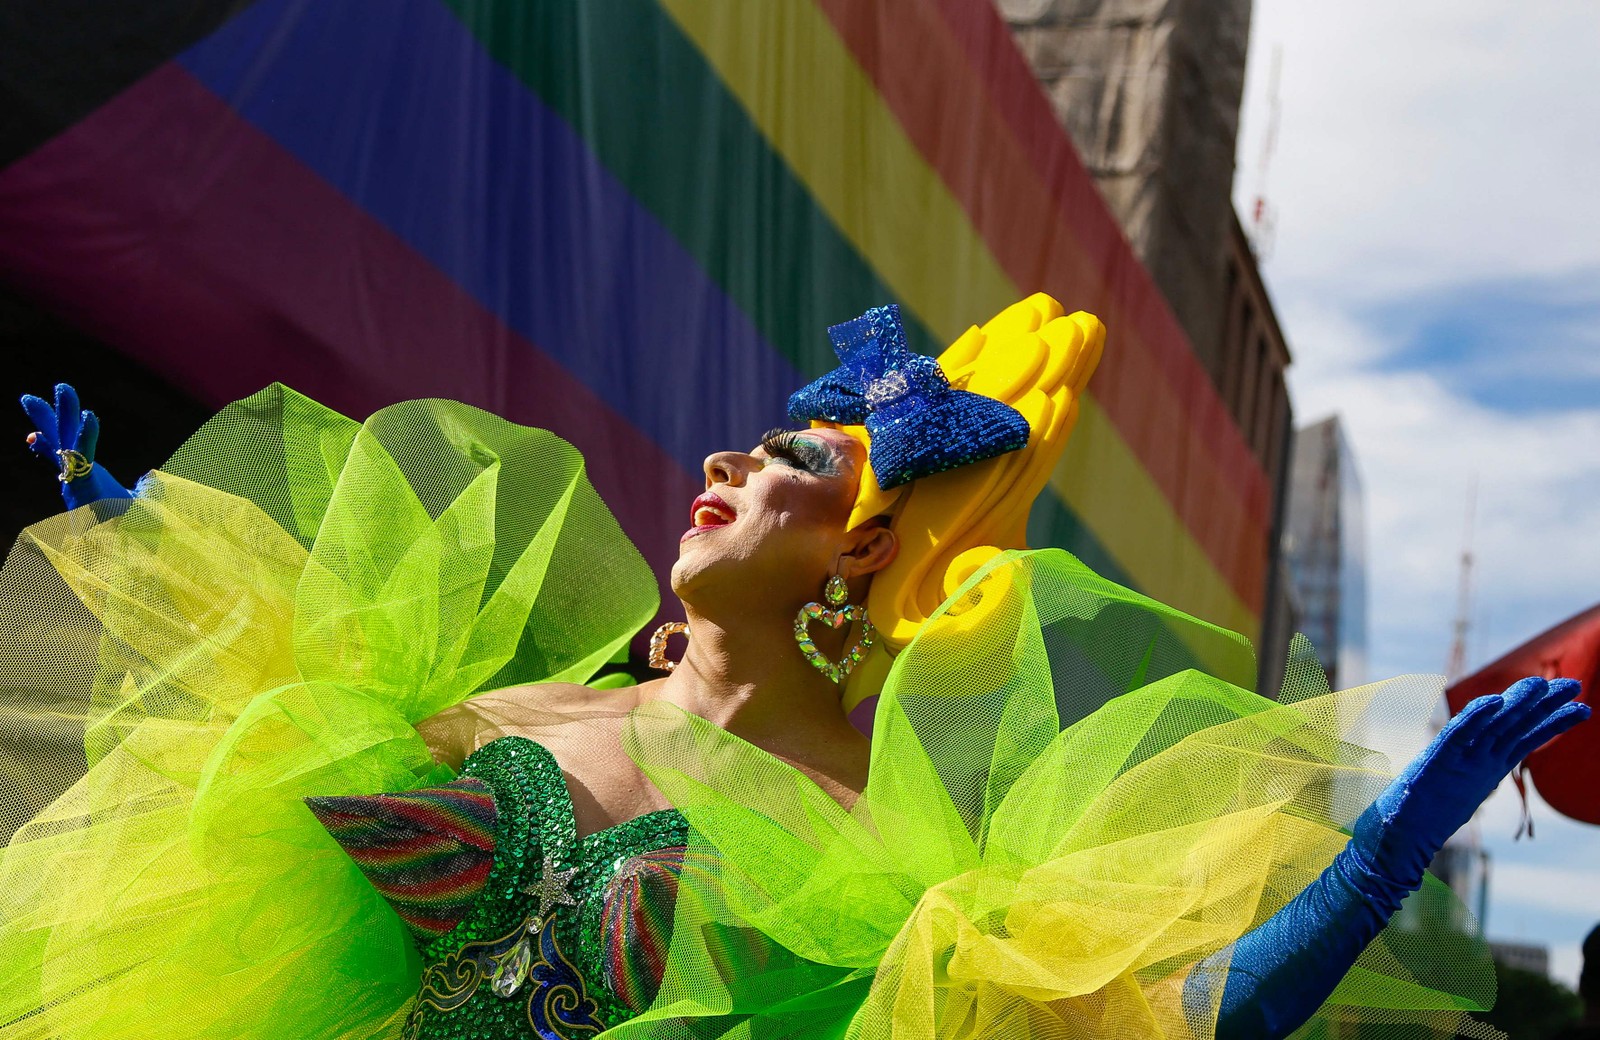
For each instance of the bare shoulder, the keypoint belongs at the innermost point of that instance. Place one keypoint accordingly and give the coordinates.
(530, 701)
(542, 712)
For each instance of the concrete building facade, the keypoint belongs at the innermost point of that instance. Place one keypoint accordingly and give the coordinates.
(1149, 91)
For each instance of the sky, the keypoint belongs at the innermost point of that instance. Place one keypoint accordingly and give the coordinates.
(1434, 257)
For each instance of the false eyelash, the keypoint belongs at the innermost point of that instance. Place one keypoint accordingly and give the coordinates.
(780, 443)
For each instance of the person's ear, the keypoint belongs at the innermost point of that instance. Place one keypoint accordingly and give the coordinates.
(873, 547)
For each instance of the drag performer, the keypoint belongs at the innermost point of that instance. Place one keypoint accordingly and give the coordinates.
(267, 792)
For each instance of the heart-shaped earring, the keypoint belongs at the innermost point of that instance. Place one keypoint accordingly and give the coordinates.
(836, 615)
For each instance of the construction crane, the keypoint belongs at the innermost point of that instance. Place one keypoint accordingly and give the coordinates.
(1456, 665)
(1263, 219)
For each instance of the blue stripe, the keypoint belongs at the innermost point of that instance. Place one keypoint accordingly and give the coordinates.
(398, 107)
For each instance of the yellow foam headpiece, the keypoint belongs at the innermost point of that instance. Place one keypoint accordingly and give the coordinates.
(1033, 357)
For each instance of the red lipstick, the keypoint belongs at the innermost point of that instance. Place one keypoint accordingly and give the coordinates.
(708, 511)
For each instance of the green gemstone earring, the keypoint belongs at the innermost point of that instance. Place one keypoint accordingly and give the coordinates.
(835, 591)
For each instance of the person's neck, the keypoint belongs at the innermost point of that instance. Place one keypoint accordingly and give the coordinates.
(743, 672)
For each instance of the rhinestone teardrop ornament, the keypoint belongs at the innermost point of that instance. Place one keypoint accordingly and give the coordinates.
(512, 969)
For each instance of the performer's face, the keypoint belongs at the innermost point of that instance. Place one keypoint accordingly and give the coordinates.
(772, 522)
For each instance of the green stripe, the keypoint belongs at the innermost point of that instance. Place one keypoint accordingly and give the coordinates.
(657, 115)
(659, 118)
(1052, 522)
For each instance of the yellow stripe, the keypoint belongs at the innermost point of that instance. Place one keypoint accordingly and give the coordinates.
(1137, 526)
(802, 88)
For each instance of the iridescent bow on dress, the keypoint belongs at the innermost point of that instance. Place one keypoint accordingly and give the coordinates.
(918, 422)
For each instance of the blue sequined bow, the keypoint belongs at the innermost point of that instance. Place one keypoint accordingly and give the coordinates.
(919, 423)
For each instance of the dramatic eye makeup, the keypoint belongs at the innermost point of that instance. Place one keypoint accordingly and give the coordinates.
(806, 453)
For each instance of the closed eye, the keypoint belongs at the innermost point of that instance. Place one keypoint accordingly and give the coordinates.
(790, 448)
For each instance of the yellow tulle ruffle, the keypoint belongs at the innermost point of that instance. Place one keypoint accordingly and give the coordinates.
(1067, 822)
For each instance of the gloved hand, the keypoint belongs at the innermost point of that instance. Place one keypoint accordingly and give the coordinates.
(1438, 792)
(68, 437)
(1281, 972)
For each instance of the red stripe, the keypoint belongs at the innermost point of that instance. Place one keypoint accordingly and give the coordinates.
(457, 886)
(1010, 90)
(430, 926)
(467, 805)
(443, 820)
(397, 849)
(985, 102)
(208, 225)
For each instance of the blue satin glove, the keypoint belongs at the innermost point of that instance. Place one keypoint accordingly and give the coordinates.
(1280, 973)
(68, 437)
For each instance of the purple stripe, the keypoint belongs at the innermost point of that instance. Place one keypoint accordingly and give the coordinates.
(168, 226)
(397, 105)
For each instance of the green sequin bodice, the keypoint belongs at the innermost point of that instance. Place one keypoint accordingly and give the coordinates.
(553, 947)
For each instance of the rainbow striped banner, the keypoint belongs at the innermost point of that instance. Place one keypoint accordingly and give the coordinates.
(627, 221)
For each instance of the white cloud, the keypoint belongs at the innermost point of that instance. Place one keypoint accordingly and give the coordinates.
(1418, 448)
(1428, 149)
(1543, 889)
(1563, 889)
(1427, 141)
(1566, 961)
(1426, 146)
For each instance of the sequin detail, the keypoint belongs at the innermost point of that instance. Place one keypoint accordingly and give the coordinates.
(918, 422)
(532, 959)
(428, 852)
(637, 922)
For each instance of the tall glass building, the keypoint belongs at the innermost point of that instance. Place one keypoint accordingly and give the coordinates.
(1325, 550)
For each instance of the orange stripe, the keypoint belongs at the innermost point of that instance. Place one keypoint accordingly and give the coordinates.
(1012, 93)
(1150, 384)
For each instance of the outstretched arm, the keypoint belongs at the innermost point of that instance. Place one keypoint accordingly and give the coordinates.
(68, 437)
(1280, 973)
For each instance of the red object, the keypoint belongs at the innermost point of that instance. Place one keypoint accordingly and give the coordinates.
(1567, 769)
